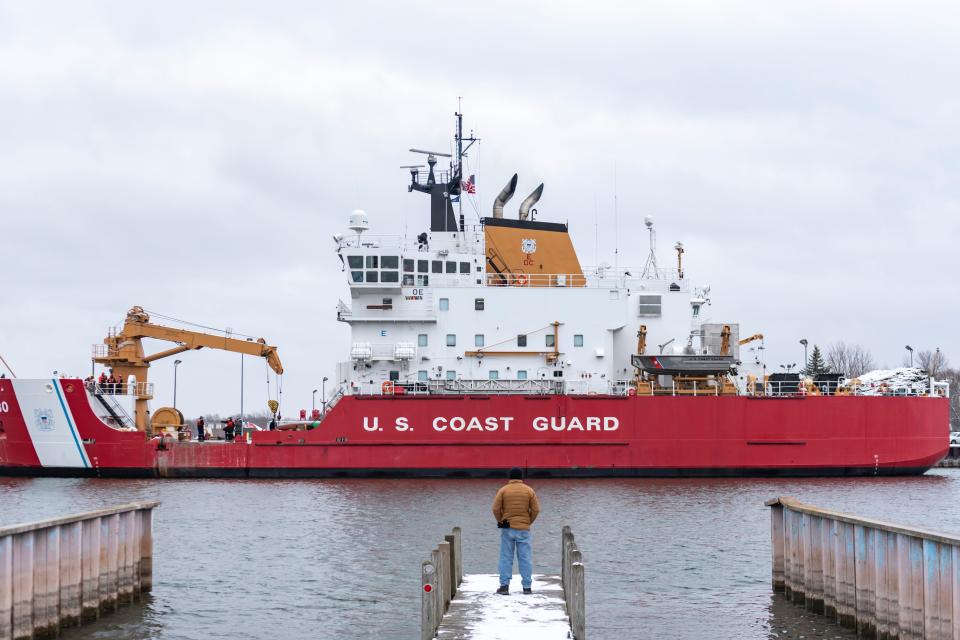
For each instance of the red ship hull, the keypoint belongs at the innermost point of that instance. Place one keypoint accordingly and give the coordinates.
(474, 435)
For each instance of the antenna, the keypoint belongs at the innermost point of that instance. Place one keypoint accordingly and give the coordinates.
(650, 268)
(432, 153)
(616, 223)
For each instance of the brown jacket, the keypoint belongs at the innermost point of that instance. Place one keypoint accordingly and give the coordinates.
(517, 503)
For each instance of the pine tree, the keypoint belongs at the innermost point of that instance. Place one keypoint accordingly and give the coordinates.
(816, 364)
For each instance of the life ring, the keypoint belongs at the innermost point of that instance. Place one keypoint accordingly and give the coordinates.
(387, 387)
(522, 280)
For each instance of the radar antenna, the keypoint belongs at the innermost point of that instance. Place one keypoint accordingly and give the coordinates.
(650, 268)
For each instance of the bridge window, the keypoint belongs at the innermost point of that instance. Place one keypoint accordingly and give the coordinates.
(522, 340)
(422, 376)
(451, 339)
(478, 304)
(389, 262)
(355, 262)
(648, 305)
(494, 374)
(390, 276)
(551, 340)
(373, 276)
(521, 374)
(578, 339)
(423, 280)
(451, 266)
(444, 304)
(422, 340)
(423, 266)
(408, 265)
(451, 374)
(478, 340)
(437, 266)
(464, 267)
(356, 276)
(408, 279)
(372, 262)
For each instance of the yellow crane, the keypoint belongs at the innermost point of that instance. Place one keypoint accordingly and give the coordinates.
(123, 352)
(756, 336)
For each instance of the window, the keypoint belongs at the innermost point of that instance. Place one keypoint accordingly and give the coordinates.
(494, 374)
(558, 373)
(464, 267)
(578, 339)
(356, 276)
(422, 280)
(390, 276)
(521, 374)
(389, 262)
(550, 340)
(371, 262)
(408, 279)
(437, 266)
(451, 339)
(408, 265)
(373, 276)
(451, 266)
(422, 266)
(478, 304)
(444, 304)
(521, 340)
(451, 374)
(422, 376)
(422, 340)
(395, 376)
(478, 340)
(355, 262)
(648, 305)
(388, 302)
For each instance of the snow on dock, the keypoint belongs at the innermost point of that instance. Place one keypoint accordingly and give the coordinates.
(480, 614)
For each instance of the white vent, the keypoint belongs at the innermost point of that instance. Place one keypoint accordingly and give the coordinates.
(648, 306)
(361, 351)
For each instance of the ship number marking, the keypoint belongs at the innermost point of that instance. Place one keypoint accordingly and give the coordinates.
(4, 407)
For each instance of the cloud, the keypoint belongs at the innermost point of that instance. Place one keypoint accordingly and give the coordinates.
(196, 158)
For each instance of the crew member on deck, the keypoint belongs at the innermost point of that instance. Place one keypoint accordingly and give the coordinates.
(515, 507)
(201, 434)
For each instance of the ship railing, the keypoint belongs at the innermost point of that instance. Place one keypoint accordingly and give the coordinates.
(843, 387)
(101, 350)
(460, 387)
(140, 389)
(554, 280)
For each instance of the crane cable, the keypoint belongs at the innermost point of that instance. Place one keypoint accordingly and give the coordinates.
(155, 314)
(12, 374)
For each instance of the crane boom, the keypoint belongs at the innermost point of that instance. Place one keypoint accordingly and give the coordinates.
(756, 336)
(123, 352)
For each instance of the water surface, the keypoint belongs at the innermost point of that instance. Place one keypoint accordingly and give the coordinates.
(340, 558)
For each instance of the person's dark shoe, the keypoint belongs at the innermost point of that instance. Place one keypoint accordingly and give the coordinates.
(527, 590)
(503, 590)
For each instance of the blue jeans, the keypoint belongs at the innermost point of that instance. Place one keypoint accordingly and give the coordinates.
(511, 539)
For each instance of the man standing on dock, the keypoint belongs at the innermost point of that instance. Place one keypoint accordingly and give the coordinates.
(515, 507)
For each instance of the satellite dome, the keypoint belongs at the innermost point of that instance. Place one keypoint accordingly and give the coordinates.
(359, 221)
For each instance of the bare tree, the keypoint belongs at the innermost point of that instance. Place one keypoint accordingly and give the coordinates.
(952, 376)
(933, 362)
(851, 360)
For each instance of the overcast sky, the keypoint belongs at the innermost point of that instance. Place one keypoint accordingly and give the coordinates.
(195, 158)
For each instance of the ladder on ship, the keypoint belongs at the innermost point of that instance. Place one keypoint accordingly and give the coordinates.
(114, 408)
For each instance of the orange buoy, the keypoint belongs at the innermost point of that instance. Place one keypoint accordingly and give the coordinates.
(522, 280)
(387, 387)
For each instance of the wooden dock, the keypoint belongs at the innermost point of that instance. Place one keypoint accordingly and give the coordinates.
(884, 580)
(458, 606)
(62, 572)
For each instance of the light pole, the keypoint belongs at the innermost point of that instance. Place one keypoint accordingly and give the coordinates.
(788, 367)
(806, 362)
(313, 401)
(910, 350)
(176, 363)
(323, 394)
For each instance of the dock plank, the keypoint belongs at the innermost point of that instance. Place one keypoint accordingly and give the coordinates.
(478, 613)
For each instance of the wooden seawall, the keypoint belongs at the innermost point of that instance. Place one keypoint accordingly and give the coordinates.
(62, 572)
(455, 606)
(884, 580)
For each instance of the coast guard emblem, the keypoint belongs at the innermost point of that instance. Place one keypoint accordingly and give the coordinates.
(43, 419)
